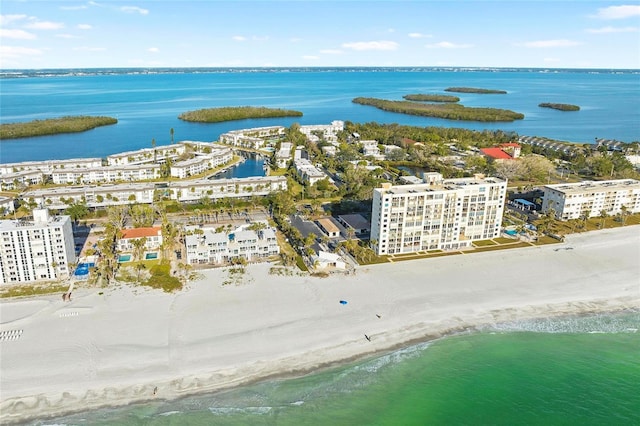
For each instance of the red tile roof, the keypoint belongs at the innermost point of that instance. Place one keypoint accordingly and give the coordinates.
(141, 232)
(496, 153)
(513, 144)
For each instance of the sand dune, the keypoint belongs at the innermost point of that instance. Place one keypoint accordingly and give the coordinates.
(117, 347)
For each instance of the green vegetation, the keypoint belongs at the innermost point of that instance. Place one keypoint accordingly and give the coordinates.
(33, 290)
(561, 107)
(448, 111)
(217, 115)
(475, 90)
(53, 126)
(161, 278)
(431, 98)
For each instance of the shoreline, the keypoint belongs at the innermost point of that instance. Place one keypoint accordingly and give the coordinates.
(274, 327)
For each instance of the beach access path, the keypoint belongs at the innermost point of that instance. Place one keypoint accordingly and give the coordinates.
(124, 344)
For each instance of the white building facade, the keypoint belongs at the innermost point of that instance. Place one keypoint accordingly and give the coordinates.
(575, 200)
(441, 214)
(37, 250)
(211, 247)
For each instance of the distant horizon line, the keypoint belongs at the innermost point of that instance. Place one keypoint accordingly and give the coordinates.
(302, 67)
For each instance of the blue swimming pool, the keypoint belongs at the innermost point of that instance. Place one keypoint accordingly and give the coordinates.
(511, 232)
(150, 256)
(83, 269)
(124, 258)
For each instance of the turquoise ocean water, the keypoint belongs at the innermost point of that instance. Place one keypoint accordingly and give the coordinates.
(562, 371)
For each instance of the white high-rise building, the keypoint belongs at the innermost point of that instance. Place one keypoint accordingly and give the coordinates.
(37, 250)
(440, 214)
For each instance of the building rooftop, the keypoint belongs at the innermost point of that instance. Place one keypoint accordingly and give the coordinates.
(607, 185)
(141, 232)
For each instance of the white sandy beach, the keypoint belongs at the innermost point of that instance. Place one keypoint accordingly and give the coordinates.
(115, 348)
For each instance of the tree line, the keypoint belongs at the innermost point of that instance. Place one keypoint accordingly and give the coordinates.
(217, 115)
(53, 126)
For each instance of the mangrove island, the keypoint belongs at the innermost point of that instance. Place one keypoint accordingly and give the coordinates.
(561, 107)
(431, 98)
(53, 126)
(446, 111)
(475, 90)
(217, 115)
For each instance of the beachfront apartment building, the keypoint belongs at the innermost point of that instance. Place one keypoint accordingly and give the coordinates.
(152, 237)
(575, 200)
(211, 247)
(254, 138)
(36, 250)
(146, 155)
(440, 214)
(145, 192)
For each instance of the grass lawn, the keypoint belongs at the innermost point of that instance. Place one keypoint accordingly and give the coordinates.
(33, 290)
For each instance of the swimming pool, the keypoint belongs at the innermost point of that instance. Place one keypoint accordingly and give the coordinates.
(124, 258)
(150, 256)
(83, 269)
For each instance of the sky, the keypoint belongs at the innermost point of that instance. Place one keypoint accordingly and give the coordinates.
(37, 34)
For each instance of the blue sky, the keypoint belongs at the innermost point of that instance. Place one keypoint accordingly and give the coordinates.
(170, 33)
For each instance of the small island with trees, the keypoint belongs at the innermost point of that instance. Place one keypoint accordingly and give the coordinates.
(560, 107)
(53, 126)
(475, 90)
(447, 111)
(217, 115)
(431, 98)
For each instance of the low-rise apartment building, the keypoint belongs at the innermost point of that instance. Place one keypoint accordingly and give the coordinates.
(591, 198)
(255, 138)
(329, 132)
(440, 214)
(217, 156)
(211, 247)
(307, 172)
(49, 166)
(144, 193)
(36, 250)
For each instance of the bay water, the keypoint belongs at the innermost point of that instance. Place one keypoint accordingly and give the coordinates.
(581, 370)
(147, 103)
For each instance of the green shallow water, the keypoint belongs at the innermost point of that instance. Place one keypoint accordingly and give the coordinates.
(576, 371)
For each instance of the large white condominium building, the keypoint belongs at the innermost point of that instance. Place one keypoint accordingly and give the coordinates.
(36, 250)
(329, 131)
(440, 214)
(574, 200)
(251, 138)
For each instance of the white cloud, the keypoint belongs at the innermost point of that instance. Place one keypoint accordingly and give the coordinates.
(66, 36)
(618, 12)
(419, 35)
(310, 57)
(550, 43)
(239, 38)
(84, 27)
(608, 30)
(16, 34)
(371, 45)
(331, 51)
(17, 51)
(153, 50)
(448, 45)
(7, 19)
(260, 38)
(44, 25)
(134, 9)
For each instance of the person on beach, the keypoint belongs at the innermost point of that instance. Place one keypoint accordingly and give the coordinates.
(155, 391)
(64, 297)
(367, 337)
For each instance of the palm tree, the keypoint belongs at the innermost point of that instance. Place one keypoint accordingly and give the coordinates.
(603, 216)
(171, 132)
(138, 246)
